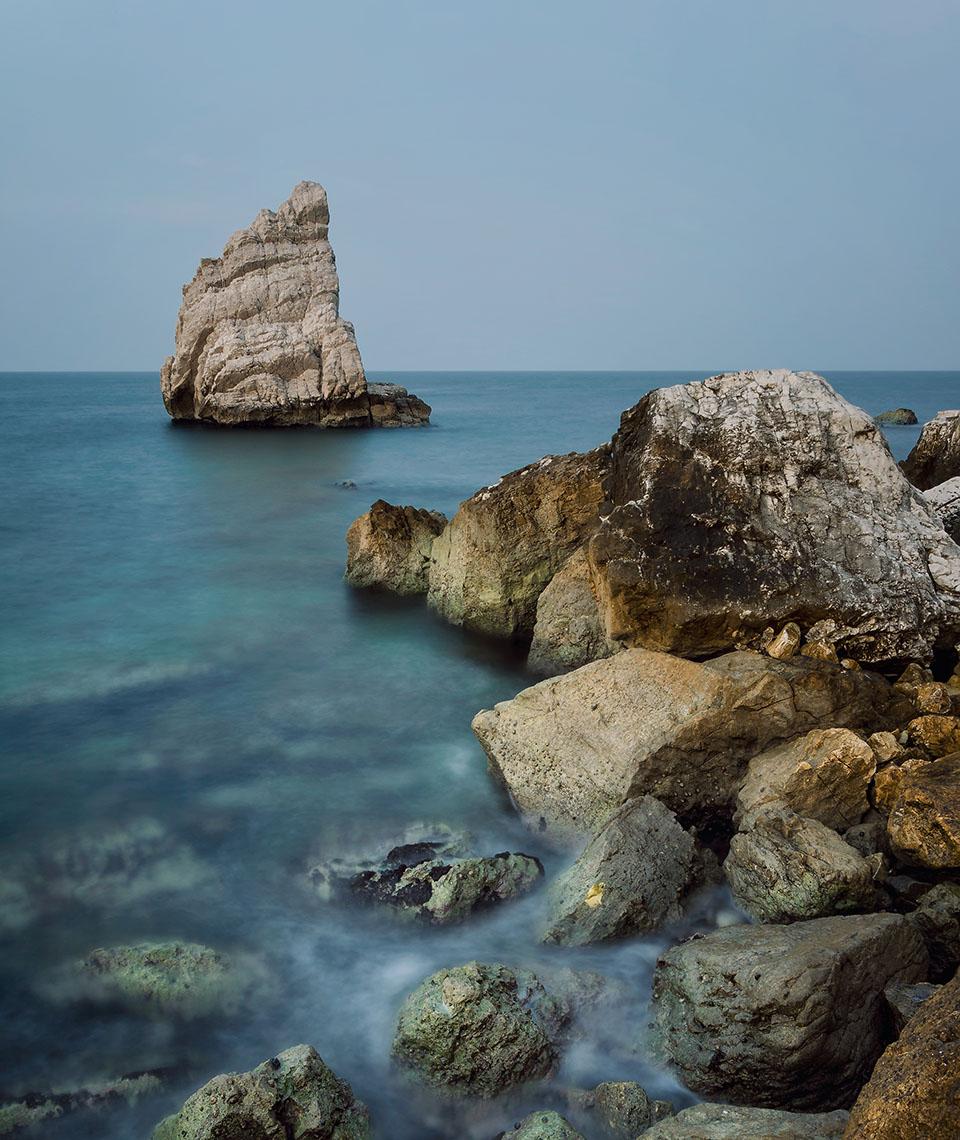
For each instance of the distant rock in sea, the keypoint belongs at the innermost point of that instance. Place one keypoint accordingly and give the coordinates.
(899, 417)
(260, 339)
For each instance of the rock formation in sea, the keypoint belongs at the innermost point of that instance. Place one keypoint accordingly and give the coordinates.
(260, 339)
(936, 455)
(748, 500)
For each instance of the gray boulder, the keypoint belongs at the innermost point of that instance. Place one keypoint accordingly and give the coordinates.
(783, 1016)
(292, 1095)
(389, 547)
(633, 876)
(937, 918)
(727, 1122)
(542, 1126)
(945, 500)
(480, 1029)
(623, 1109)
(569, 631)
(935, 457)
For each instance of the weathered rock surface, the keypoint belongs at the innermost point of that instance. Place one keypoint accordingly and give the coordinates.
(726, 1122)
(32, 1109)
(633, 876)
(937, 734)
(936, 456)
(571, 749)
(784, 1016)
(824, 775)
(480, 1029)
(624, 1109)
(945, 500)
(924, 823)
(505, 543)
(260, 339)
(937, 918)
(905, 999)
(569, 630)
(782, 868)
(914, 1092)
(389, 547)
(898, 417)
(293, 1095)
(543, 1126)
(760, 498)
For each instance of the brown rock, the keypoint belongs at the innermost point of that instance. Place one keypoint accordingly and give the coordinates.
(885, 747)
(786, 643)
(569, 631)
(936, 454)
(924, 823)
(933, 698)
(886, 783)
(389, 547)
(821, 651)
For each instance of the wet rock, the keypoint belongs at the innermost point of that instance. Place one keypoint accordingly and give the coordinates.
(542, 1126)
(936, 454)
(164, 979)
(389, 547)
(727, 1122)
(260, 339)
(945, 500)
(569, 630)
(762, 498)
(937, 918)
(573, 748)
(914, 1091)
(924, 823)
(783, 1016)
(505, 543)
(33, 1109)
(899, 417)
(480, 1029)
(633, 876)
(824, 775)
(904, 1001)
(624, 1110)
(291, 1095)
(939, 735)
(782, 867)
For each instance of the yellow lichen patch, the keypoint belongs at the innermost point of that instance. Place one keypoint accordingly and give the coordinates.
(594, 896)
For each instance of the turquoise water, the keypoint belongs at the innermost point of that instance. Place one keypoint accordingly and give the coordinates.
(178, 646)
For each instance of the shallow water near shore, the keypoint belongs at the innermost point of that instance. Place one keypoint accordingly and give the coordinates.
(179, 653)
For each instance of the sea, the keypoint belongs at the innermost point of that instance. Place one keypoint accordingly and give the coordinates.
(195, 708)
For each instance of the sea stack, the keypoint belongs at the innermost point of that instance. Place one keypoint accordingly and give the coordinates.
(260, 339)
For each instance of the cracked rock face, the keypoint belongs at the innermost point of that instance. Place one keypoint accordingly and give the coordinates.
(260, 339)
(784, 1016)
(936, 454)
(760, 498)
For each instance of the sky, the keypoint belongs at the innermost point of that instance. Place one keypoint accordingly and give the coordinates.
(652, 184)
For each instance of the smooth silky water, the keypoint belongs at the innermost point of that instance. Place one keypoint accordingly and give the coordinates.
(178, 646)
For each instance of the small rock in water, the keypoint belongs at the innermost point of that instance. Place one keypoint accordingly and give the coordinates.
(389, 548)
(346, 484)
(624, 1109)
(32, 1109)
(543, 1126)
(898, 417)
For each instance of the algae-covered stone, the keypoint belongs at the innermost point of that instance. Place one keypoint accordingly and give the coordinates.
(543, 1126)
(480, 1029)
(624, 1110)
(293, 1096)
(728, 1122)
(163, 979)
(896, 417)
(33, 1108)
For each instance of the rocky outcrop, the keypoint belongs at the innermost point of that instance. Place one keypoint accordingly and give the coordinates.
(924, 823)
(914, 1092)
(784, 1016)
(633, 876)
(936, 456)
(782, 867)
(389, 547)
(569, 629)
(260, 339)
(292, 1095)
(945, 500)
(571, 749)
(480, 1029)
(898, 417)
(727, 1122)
(505, 543)
(759, 498)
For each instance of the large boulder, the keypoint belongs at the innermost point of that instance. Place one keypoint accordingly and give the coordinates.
(260, 339)
(569, 630)
(784, 1016)
(481, 1029)
(760, 498)
(936, 454)
(573, 748)
(292, 1095)
(914, 1092)
(389, 547)
(945, 500)
(507, 541)
(924, 823)
(633, 876)
(782, 867)
(728, 1122)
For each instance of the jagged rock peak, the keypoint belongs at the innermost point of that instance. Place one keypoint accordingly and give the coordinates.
(260, 339)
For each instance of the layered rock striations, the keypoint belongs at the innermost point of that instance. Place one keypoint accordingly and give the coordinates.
(260, 339)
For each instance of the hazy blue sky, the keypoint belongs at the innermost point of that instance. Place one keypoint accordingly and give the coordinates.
(612, 185)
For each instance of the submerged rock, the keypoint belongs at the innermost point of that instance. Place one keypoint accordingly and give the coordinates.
(945, 500)
(633, 876)
(914, 1091)
(924, 823)
(293, 1095)
(783, 1016)
(389, 547)
(542, 1126)
(480, 1030)
(727, 1122)
(260, 339)
(573, 748)
(899, 417)
(33, 1109)
(935, 457)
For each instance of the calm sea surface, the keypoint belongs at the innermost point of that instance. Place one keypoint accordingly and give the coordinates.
(178, 652)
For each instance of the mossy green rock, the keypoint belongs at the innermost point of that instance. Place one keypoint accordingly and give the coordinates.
(543, 1126)
(293, 1096)
(480, 1029)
